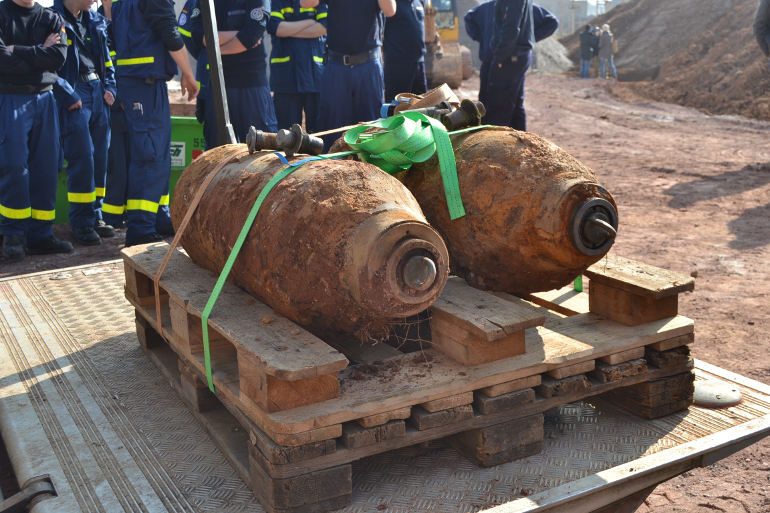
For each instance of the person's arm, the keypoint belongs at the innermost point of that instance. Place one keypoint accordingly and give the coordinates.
(762, 26)
(49, 56)
(313, 31)
(187, 81)
(162, 20)
(190, 27)
(250, 34)
(66, 95)
(107, 6)
(544, 21)
(292, 28)
(388, 7)
(471, 27)
(9, 63)
(306, 4)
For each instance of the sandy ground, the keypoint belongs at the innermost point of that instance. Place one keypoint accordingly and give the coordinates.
(694, 196)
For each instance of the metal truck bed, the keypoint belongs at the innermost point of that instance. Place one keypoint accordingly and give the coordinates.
(80, 401)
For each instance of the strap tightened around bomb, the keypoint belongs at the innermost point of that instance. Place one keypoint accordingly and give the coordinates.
(393, 150)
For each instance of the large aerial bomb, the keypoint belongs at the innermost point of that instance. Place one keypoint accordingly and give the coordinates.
(535, 217)
(338, 246)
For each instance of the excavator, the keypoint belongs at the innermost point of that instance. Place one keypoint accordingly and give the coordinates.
(446, 60)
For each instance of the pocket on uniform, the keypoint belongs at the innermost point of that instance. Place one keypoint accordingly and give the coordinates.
(143, 147)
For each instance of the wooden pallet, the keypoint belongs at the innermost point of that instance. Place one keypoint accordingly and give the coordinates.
(495, 365)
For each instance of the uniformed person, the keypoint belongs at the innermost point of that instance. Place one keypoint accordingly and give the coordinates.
(84, 93)
(404, 48)
(191, 28)
(298, 37)
(241, 25)
(507, 56)
(148, 45)
(33, 46)
(352, 85)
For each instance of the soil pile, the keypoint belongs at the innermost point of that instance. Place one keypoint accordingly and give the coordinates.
(550, 56)
(698, 53)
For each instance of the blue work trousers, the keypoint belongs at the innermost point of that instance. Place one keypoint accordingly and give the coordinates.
(149, 131)
(350, 94)
(611, 61)
(29, 164)
(85, 135)
(404, 77)
(247, 106)
(502, 91)
(585, 68)
(118, 157)
(290, 106)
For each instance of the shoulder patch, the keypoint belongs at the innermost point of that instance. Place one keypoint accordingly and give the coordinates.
(257, 13)
(183, 19)
(196, 12)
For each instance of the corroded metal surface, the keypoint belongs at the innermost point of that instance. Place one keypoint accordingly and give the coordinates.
(330, 246)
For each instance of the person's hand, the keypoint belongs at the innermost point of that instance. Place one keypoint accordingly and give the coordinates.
(10, 48)
(109, 98)
(52, 39)
(204, 40)
(189, 86)
(75, 106)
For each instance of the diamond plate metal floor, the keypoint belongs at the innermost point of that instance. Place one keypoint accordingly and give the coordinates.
(79, 400)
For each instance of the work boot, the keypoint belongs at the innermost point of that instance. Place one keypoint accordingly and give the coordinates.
(13, 247)
(144, 239)
(104, 230)
(86, 236)
(49, 246)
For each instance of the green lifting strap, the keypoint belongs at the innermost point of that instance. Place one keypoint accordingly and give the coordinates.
(406, 138)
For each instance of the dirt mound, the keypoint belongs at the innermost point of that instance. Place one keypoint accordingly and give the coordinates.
(698, 53)
(550, 56)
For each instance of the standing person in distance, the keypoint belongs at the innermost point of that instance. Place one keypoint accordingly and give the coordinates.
(33, 46)
(352, 85)
(586, 51)
(85, 91)
(404, 48)
(762, 27)
(606, 51)
(298, 38)
(149, 49)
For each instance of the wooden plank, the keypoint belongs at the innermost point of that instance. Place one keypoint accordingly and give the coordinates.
(502, 443)
(423, 419)
(572, 370)
(482, 314)
(638, 278)
(486, 405)
(665, 345)
(469, 349)
(512, 386)
(623, 356)
(677, 357)
(606, 373)
(354, 436)
(563, 387)
(565, 300)
(287, 351)
(385, 417)
(629, 308)
(448, 402)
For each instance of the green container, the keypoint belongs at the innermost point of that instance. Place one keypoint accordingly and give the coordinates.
(186, 143)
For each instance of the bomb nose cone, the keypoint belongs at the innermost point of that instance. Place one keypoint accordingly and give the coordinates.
(419, 272)
(594, 226)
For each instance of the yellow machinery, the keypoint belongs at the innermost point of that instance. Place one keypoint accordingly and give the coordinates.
(446, 60)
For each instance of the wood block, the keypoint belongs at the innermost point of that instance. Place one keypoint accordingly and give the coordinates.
(638, 278)
(657, 398)
(307, 437)
(194, 391)
(681, 340)
(138, 284)
(448, 402)
(466, 348)
(147, 335)
(555, 387)
(624, 356)
(423, 419)
(382, 418)
(502, 443)
(269, 452)
(353, 435)
(486, 405)
(274, 394)
(315, 492)
(566, 300)
(572, 370)
(606, 373)
(628, 308)
(512, 386)
(672, 358)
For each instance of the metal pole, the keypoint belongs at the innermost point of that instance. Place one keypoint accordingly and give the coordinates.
(225, 133)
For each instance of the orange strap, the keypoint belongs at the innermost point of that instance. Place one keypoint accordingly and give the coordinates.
(183, 226)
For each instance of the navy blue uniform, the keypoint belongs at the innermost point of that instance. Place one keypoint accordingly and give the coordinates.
(296, 64)
(507, 59)
(352, 85)
(480, 23)
(248, 95)
(145, 31)
(29, 128)
(87, 73)
(191, 29)
(404, 47)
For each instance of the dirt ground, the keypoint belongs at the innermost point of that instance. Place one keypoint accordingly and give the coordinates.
(694, 196)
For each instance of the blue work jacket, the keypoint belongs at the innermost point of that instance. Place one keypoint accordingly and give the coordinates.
(140, 52)
(480, 25)
(295, 63)
(191, 29)
(99, 44)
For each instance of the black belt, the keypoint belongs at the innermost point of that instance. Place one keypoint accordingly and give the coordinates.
(23, 89)
(88, 77)
(356, 58)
